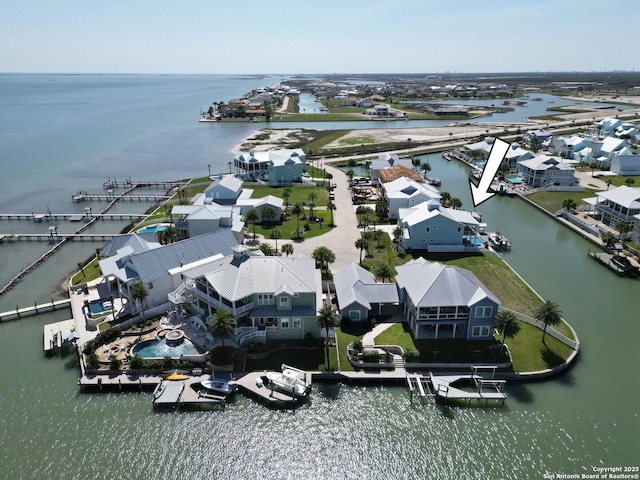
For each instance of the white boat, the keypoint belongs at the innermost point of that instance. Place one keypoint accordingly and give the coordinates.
(219, 386)
(291, 380)
(499, 241)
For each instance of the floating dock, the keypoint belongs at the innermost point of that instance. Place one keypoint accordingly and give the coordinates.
(249, 384)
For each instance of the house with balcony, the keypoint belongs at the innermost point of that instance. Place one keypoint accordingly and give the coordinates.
(405, 193)
(194, 220)
(618, 204)
(360, 295)
(281, 167)
(535, 138)
(568, 147)
(429, 226)
(542, 171)
(259, 204)
(385, 161)
(155, 268)
(447, 302)
(270, 298)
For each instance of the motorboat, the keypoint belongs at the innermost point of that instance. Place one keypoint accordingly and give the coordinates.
(290, 380)
(219, 386)
(499, 241)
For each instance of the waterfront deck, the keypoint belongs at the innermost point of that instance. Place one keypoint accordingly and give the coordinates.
(55, 334)
(248, 384)
(607, 259)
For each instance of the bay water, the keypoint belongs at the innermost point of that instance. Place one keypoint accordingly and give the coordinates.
(60, 134)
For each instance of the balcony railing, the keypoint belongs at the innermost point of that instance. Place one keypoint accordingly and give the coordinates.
(244, 334)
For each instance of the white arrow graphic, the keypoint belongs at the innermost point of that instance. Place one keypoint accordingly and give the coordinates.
(481, 192)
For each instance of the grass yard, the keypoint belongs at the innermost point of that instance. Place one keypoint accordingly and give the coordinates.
(299, 193)
(398, 334)
(552, 201)
(289, 226)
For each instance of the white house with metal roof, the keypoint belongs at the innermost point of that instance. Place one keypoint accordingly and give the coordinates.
(282, 167)
(618, 204)
(271, 298)
(429, 226)
(360, 295)
(447, 302)
(384, 161)
(194, 220)
(224, 191)
(542, 171)
(153, 267)
(259, 204)
(405, 193)
(608, 126)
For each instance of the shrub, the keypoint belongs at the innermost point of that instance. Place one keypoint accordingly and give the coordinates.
(370, 356)
(357, 346)
(411, 355)
(114, 363)
(92, 360)
(388, 357)
(168, 363)
(136, 362)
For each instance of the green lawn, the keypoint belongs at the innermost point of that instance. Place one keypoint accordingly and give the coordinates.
(299, 193)
(398, 334)
(289, 226)
(552, 201)
(91, 272)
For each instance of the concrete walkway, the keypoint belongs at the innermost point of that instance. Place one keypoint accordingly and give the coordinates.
(368, 339)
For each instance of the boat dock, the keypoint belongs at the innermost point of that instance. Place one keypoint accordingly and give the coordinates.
(616, 263)
(249, 384)
(58, 237)
(110, 195)
(126, 183)
(55, 334)
(72, 217)
(170, 393)
(36, 309)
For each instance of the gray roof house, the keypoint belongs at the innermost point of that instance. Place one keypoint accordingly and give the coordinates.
(270, 201)
(626, 165)
(405, 193)
(224, 191)
(269, 297)
(384, 161)
(359, 295)
(281, 166)
(153, 267)
(447, 302)
(139, 242)
(542, 171)
(617, 204)
(194, 220)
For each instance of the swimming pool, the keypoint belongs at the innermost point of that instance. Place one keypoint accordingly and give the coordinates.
(514, 180)
(476, 241)
(153, 229)
(98, 306)
(158, 348)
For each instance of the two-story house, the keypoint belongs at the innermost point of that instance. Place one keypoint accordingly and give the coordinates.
(542, 171)
(618, 204)
(447, 302)
(404, 193)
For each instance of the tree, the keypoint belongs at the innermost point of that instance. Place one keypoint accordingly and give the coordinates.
(297, 210)
(275, 235)
(415, 161)
(623, 228)
(252, 216)
(609, 239)
(382, 208)
(397, 235)
(361, 211)
(384, 271)
(287, 249)
(593, 166)
(266, 249)
(569, 204)
(548, 313)
(507, 324)
(327, 320)
(331, 207)
(362, 244)
(169, 235)
(456, 203)
(286, 193)
(324, 256)
(350, 174)
(629, 181)
(81, 267)
(139, 293)
(268, 214)
(426, 168)
(445, 199)
(221, 325)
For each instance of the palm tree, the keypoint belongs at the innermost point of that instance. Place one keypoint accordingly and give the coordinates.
(609, 239)
(507, 324)
(286, 193)
(397, 234)
(382, 208)
(331, 207)
(426, 168)
(456, 203)
(548, 313)
(327, 319)
(445, 199)
(384, 271)
(81, 268)
(287, 249)
(312, 198)
(252, 216)
(362, 244)
(324, 256)
(350, 174)
(622, 227)
(361, 210)
(221, 325)
(569, 204)
(275, 235)
(268, 214)
(139, 293)
(297, 210)
(415, 161)
(266, 249)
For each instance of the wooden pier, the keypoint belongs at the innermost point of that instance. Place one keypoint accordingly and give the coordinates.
(72, 217)
(59, 237)
(101, 197)
(127, 183)
(36, 309)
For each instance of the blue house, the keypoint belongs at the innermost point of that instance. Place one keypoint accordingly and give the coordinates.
(359, 295)
(447, 302)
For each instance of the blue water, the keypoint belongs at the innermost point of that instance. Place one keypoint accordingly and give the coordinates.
(514, 179)
(159, 348)
(153, 229)
(95, 306)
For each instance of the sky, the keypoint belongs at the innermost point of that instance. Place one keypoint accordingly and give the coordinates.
(318, 36)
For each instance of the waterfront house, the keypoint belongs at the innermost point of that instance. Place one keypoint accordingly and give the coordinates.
(398, 171)
(542, 171)
(259, 204)
(224, 191)
(270, 298)
(607, 126)
(405, 193)
(235, 108)
(567, 147)
(447, 302)
(482, 148)
(618, 204)
(513, 156)
(359, 295)
(626, 165)
(382, 110)
(138, 242)
(626, 130)
(604, 152)
(536, 138)
(194, 220)
(153, 268)
(281, 166)
(429, 226)
(384, 161)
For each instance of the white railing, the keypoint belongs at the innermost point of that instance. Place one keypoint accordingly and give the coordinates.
(244, 334)
(177, 296)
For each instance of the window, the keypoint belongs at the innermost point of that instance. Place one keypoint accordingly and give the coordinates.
(284, 301)
(427, 229)
(484, 312)
(284, 323)
(480, 331)
(265, 299)
(354, 314)
(459, 229)
(296, 323)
